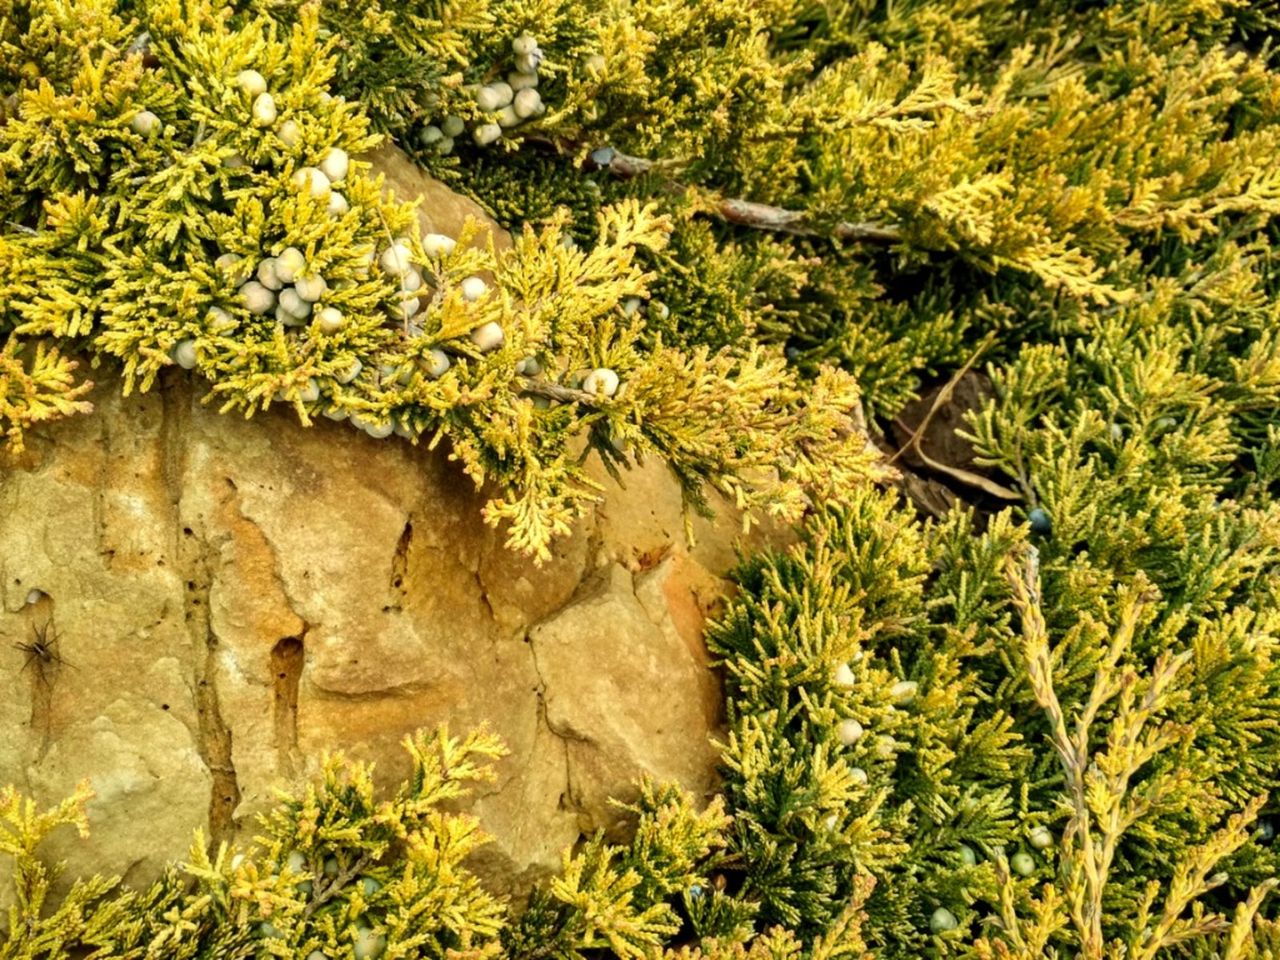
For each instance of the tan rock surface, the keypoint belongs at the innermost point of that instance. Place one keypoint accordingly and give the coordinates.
(440, 210)
(235, 598)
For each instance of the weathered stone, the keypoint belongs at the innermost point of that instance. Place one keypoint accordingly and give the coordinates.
(236, 598)
(441, 210)
(622, 689)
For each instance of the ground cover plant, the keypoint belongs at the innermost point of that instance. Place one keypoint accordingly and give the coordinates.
(1035, 715)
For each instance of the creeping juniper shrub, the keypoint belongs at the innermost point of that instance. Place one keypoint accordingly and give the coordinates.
(1045, 732)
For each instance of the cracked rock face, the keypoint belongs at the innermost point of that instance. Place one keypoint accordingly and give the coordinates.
(235, 598)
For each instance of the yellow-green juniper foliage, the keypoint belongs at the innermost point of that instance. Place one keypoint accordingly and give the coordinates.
(1090, 701)
(156, 171)
(339, 872)
(953, 169)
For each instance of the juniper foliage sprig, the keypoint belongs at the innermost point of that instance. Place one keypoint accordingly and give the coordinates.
(337, 871)
(1107, 794)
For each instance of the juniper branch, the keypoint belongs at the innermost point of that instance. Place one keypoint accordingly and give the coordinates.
(555, 391)
(760, 216)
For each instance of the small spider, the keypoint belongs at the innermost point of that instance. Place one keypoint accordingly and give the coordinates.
(42, 649)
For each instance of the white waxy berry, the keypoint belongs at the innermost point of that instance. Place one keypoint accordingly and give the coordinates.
(289, 264)
(264, 110)
(257, 298)
(337, 205)
(943, 920)
(334, 413)
(395, 260)
(435, 364)
(849, 731)
(1023, 864)
(507, 117)
(219, 320)
(596, 63)
(494, 96)
(289, 133)
(312, 179)
(488, 336)
(967, 856)
(524, 44)
(858, 776)
(904, 691)
(831, 822)
(289, 300)
(529, 367)
(529, 62)
(317, 955)
(430, 134)
(659, 310)
(335, 164)
(1041, 838)
(184, 354)
(145, 123)
(528, 103)
(452, 126)
(843, 677)
(251, 82)
(311, 288)
(411, 281)
(486, 134)
(438, 245)
(351, 372)
(473, 288)
(402, 429)
(601, 382)
(331, 320)
(234, 162)
(267, 275)
(445, 146)
(296, 861)
(379, 431)
(285, 318)
(631, 306)
(410, 306)
(886, 748)
(309, 392)
(522, 81)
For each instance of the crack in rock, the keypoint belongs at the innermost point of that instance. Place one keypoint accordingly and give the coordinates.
(197, 557)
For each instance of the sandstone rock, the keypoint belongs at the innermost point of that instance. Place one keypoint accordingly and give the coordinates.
(440, 210)
(620, 693)
(235, 598)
